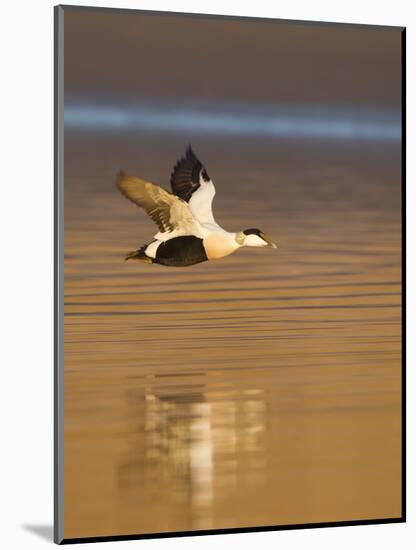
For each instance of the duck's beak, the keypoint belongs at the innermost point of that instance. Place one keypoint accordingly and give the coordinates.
(269, 242)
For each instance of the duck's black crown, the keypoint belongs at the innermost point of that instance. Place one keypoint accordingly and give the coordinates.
(253, 231)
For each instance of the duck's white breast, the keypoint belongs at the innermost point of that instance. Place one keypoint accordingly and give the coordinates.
(219, 244)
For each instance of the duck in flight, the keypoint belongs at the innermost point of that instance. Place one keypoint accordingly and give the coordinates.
(188, 233)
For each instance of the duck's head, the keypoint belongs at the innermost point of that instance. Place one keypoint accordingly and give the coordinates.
(254, 237)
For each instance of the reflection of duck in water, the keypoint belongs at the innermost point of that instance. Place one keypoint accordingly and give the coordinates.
(188, 233)
(194, 444)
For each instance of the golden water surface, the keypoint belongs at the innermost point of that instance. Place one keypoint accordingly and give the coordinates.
(261, 389)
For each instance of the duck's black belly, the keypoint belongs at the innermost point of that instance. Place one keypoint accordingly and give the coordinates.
(181, 251)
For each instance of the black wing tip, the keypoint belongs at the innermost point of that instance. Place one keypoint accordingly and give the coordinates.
(190, 154)
(185, 176)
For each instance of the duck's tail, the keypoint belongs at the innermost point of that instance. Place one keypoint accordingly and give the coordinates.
(139, 255)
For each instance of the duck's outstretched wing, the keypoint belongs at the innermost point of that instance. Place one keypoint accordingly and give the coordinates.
(190, 182)
(169, 212)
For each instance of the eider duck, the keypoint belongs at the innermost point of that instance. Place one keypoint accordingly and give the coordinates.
(188, 233)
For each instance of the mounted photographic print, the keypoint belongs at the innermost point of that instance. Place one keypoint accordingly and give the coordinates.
(229, 202)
